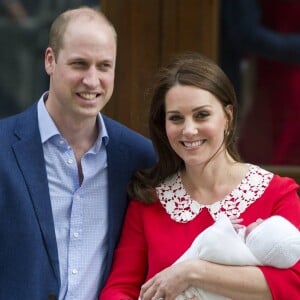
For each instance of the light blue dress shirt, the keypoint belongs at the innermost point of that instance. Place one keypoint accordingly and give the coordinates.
(79, 211)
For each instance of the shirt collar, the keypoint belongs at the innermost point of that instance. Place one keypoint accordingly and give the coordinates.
(48, 128)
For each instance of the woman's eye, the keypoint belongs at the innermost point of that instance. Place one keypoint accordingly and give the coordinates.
(202, 114)
(175, 118)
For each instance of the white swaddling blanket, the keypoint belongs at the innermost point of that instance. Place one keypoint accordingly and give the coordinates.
(275, 242)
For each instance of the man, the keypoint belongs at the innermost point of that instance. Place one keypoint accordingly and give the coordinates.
(64, 170)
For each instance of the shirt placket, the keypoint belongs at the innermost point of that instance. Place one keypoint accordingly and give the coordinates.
(75, 238)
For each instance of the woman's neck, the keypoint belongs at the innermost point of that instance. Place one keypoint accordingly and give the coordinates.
(213, 181)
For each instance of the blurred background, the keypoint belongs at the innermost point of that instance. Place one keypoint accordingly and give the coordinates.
(256, 42)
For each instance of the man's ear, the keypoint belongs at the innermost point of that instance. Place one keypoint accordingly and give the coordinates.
(49, 61)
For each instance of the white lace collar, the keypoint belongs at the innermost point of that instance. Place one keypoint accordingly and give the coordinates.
(182, 208)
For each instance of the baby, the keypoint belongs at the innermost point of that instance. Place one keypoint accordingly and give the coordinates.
(272, 242)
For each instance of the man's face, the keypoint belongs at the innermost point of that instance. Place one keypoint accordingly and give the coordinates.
(82, 76)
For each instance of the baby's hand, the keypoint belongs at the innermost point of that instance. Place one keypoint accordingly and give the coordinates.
(253, 225)
(236, 222)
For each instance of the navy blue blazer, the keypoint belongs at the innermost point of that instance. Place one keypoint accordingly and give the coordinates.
(29, 267)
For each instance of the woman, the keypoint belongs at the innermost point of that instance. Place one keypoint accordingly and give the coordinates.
(198, 177)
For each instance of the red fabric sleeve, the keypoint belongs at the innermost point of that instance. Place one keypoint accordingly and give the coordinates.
(284, 283)
(130, 260)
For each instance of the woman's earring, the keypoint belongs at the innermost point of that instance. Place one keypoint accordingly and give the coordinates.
(226, 132)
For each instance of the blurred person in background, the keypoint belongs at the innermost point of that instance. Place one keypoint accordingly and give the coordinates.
(24, 26)
(266, 32)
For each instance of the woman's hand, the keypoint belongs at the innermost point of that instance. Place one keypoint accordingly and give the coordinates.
(169, 283)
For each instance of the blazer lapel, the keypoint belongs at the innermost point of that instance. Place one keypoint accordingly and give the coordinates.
(117, 160)
(29, 154)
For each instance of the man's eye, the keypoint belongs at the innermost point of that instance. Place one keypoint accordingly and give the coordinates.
(105, 66)
(78, 63)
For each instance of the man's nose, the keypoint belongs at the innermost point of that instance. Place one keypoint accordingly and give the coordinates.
(91, 77)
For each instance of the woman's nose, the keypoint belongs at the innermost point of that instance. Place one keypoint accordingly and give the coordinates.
(189, 129)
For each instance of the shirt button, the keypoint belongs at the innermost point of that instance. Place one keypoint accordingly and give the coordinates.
(77, 197)
(76, 234)
(74, 271)
(61, 142)
(70, 161)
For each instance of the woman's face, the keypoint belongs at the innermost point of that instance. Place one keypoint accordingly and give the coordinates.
(195, 123)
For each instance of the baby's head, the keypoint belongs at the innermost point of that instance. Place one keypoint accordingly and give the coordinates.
(275, 242)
